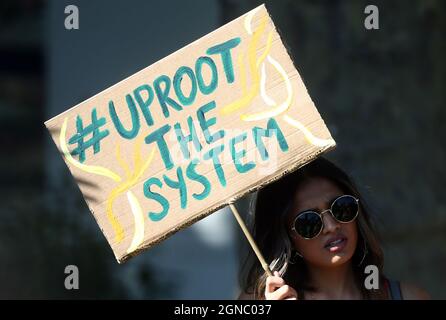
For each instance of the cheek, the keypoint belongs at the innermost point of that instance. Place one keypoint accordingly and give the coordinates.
(351, 231)
(313, 250)
(308, 248)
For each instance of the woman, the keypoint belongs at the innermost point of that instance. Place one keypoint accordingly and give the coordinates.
(314, 227)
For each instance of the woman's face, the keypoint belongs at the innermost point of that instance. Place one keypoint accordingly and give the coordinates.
(317, 194)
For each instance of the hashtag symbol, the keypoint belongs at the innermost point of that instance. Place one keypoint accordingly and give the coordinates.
(82, 132)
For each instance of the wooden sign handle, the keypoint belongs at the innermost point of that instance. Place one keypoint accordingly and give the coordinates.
(250, 239)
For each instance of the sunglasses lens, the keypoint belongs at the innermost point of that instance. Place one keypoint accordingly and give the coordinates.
(308, 224)
(345, 208)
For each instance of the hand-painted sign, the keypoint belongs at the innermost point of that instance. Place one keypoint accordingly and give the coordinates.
(185, 136)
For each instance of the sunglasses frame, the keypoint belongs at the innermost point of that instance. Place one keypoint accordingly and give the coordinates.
(320, 215)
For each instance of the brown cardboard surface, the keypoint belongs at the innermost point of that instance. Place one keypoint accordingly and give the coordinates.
(239, 79)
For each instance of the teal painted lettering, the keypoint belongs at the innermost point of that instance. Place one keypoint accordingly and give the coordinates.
(184, 140)
(206, 89)
(123, 132)
(92, 129)
(185, 101)
(144, 104)
(180, 184)
(192, 174)
(163, 95)
(206, 123)
(236, 156)
(156, 216)
(272, 128)
(213, 154)
(158, 137)
(224, 49)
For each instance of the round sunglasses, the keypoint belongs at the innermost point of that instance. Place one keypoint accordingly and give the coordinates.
(309, 224)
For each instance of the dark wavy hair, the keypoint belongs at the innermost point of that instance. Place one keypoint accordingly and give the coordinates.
(269, 232)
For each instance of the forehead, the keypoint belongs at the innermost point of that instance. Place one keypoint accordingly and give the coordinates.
(315, 193)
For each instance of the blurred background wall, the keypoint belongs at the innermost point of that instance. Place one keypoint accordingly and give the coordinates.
(380, 92)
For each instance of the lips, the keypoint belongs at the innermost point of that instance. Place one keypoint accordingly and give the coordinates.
(336, 244)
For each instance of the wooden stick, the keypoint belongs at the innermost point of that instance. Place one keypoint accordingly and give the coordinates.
(250, 239)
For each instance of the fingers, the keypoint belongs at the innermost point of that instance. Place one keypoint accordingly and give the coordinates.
(274, 282)
(285, 292)
(276, 289)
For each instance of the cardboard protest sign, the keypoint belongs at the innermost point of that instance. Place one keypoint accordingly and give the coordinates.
(191, 133)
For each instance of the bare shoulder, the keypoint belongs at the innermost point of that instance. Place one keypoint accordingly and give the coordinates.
(412, 292)
(246, 296)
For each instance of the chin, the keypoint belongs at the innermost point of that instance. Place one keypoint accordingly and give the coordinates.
(339, 259)
(326, 259)
(332, 260)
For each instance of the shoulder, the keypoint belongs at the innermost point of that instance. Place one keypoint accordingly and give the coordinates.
(412, 292)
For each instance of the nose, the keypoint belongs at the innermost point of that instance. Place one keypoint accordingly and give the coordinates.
(330, 224)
